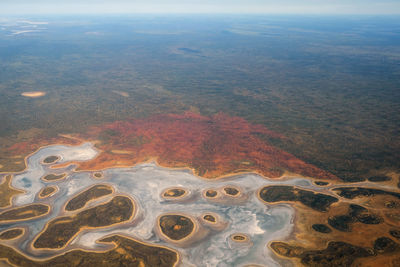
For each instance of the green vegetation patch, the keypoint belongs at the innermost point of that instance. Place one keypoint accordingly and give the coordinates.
(353, 192)
(395, 233)
(47, 191)
(51, 159)
(83, 198)
(239, 237)
(231, 191)
(322, 228)
(356, 214)
(54, 177)
(379, 178)
(24, 213)
(11, 234)
(176, 227)
(98, 175)
(336, 254)
(385, 245)
(211, 193)
(210, 218)
(61, 230)
(174, 192)
(127, 252)
(316, 201)
(321, 183)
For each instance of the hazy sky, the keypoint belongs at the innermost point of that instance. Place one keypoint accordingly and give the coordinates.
(202, 6)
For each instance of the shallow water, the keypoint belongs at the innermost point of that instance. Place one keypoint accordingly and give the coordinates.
(145, 183)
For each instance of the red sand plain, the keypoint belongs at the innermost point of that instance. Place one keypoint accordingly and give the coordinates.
(212, 146)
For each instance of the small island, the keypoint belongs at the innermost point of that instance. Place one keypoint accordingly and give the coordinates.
(94, 192)
(51, 159)
(55, 236)
(241, 238)
(231, 191)
(209, 218)
(210, 193)
(11, 233)
(48, 191)
(98, 175)
(24, 213)
(174, 193)
(54, 177)
(176, 227)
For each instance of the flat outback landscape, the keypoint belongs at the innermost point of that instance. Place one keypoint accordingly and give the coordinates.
(199, 140)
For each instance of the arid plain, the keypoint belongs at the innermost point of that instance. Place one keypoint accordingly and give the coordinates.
(244, 141)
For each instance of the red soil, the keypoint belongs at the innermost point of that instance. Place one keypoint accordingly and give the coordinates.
(212, 146)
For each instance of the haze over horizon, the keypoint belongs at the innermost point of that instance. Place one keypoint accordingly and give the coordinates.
(206, 6)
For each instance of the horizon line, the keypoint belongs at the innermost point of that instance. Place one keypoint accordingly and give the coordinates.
(199, 13)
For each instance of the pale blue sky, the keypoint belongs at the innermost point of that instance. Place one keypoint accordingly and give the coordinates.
(201, 6)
